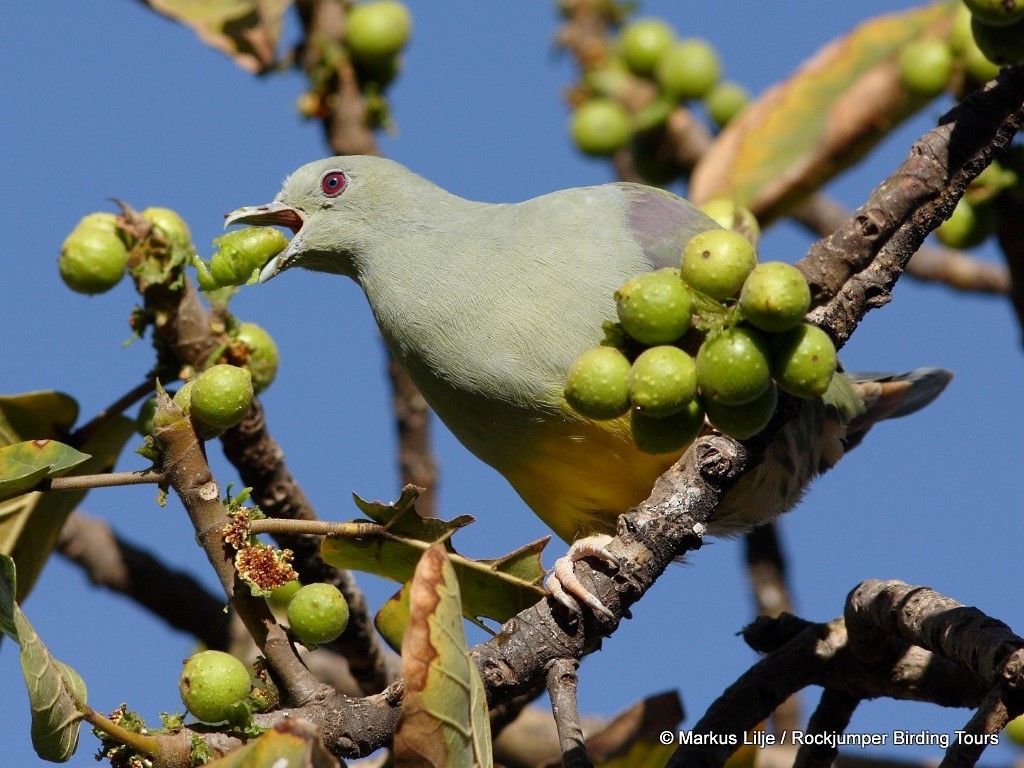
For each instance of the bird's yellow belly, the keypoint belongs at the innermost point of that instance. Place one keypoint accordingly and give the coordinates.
(578, 476)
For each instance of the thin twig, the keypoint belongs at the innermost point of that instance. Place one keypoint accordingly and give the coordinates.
(102, 480)
(316, 527)
(141, 743)
(980, 731)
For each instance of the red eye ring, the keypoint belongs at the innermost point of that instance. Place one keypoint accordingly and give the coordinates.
(334, 183)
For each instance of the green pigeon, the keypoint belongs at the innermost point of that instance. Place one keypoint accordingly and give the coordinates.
(487, 305)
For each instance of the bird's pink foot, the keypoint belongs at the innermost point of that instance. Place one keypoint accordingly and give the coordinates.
(569, 590)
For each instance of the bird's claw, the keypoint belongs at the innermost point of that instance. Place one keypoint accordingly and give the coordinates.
(563, 584)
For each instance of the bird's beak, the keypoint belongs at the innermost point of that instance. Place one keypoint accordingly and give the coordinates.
(275, 214)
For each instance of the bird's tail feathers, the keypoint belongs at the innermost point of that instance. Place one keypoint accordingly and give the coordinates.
(890, 396)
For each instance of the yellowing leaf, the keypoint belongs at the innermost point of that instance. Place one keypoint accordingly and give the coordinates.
(497, 589)
(294, 742)
(444, 716)
(56, 692)
(23, 465)
(807, 129)
(246, 30)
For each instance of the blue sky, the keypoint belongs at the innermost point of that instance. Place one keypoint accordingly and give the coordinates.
(106, 99)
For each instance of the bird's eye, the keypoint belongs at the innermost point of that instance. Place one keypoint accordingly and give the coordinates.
(334, 183)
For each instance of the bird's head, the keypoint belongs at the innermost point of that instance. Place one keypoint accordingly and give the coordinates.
(337, 209)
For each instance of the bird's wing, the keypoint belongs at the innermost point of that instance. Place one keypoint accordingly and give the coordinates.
(662, 223)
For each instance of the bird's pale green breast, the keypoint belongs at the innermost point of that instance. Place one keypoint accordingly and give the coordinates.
(488, 309)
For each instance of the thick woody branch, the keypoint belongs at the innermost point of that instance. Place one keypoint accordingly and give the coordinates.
(925, 618)
(823, 216)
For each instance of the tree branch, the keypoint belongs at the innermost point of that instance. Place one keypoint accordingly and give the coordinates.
(854, 270)
(563, 683)
(823, 216)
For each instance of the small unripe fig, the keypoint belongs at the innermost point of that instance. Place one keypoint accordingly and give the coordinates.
(378, 30)
(662, 381)
(655, 307)
(170, 224)
(242, 253)
(732, 367)
(144, 421)
(263, 356)
(998, 13)
(746, 420)
(597, 384)
(729, 214)
(221, 396)
(1015, 730)
(803, 360)
(1001, 45)
(643, 42)
(717, 262)
(600, 126)
(926, 66)
(280, 597)
(668, 434)
(183, 398)
(317, 613)
(969, 225)
(775, 296)
(725, 100)
(689, 69)
(92, 260)
(100, 220)
(213, 684)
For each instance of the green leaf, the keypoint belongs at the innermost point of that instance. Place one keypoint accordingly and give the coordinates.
(246, 30)
(23, 465)
(56, 692)
(807, 129)
(36, 415)
(30, 523)
(8, 589)
(497, 589)
(444, 712)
